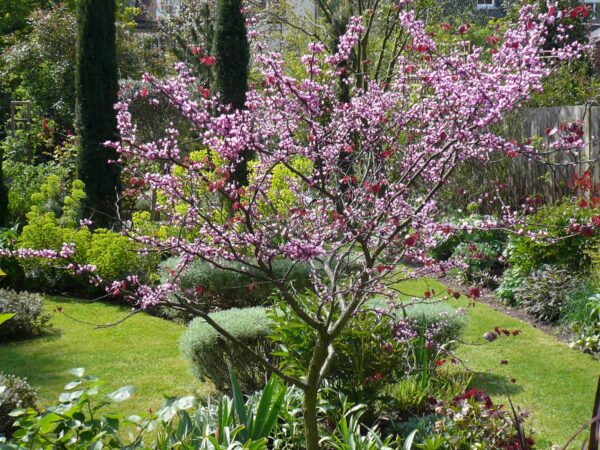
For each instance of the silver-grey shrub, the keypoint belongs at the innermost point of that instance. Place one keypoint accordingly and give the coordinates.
(15, 393)
(210, 353)
(30, 318)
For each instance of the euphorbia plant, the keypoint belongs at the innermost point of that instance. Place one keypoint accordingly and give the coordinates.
(362, 175)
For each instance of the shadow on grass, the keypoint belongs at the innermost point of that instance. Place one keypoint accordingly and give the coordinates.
(495, 384)
(40, 370)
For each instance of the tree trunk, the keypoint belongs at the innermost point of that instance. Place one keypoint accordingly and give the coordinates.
(311, 394)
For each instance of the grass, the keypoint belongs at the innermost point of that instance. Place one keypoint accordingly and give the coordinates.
(555, 383)
(143, 351)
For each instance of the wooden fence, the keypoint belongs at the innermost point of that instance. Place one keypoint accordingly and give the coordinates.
(526, 176)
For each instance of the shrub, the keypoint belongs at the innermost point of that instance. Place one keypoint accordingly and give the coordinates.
(210, 353)
(46, 233)
(512, 279)
(471, 420)
(411, 397)
(15, 393)
(213, 288)
(54, 220)
(79, 419)
(569, 235)
(29, 317)
(545, 292)
(582, 315)
(116, 256)
(380, 347)
(23, 181)
(480, 250)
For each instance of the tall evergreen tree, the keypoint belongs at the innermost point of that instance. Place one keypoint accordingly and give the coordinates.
(3, 198)
(97, 87)
(232, 51)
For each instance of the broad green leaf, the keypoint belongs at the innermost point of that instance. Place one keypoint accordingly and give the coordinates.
(78, 372)
(17, 412)
(121, 394)
(409, 440)
(72, 385)
(5, 317)
(238, 401)
(185, 402)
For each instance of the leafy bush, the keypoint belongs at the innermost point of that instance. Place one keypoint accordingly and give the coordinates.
(411, 397)
(45, 232)
(213, 288)
(379, 347)
(23, 181)
(15, 393)
(480, 250)
(54, 219)
(545, 292)
(79, 420)
(512, 279)
(27, 146)
(569, 235)
(29, 316)
(351, 433)
(473, 421)
(582, 315)
(116, 256)
(210, 353)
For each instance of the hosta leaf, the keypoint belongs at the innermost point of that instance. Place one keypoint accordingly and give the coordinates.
(121, 394)
(5, 317)
(185, 402)
(78, 372)
(72, 385)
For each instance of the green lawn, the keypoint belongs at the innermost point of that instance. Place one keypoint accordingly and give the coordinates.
(143, 351)
(555, 383)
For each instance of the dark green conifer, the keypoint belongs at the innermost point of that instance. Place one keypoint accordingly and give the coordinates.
(231, 49)
(97, 88)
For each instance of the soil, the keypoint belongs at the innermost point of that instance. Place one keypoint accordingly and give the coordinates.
(487, 297)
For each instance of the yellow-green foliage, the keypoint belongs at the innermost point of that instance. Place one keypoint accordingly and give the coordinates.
(200, 190)
(53, 199)
(116, 256)
(53, 218)
(280, 196)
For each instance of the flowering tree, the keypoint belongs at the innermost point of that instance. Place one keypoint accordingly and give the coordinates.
(361, 176)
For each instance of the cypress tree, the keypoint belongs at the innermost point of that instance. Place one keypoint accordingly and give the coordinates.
(97, 86)
(3, 198)
(232, 51)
